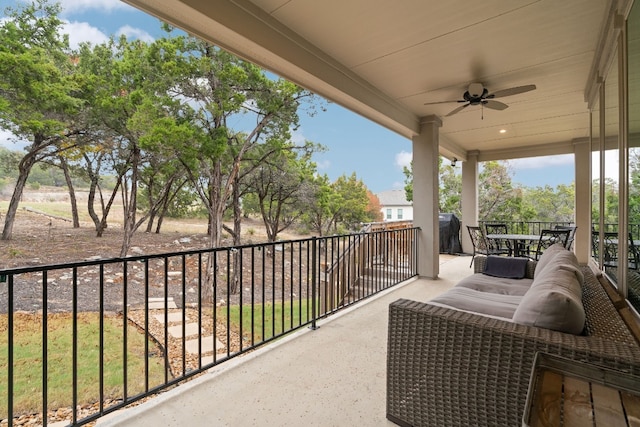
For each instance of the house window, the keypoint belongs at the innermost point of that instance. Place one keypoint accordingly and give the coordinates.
(399, 213)
(389, 214)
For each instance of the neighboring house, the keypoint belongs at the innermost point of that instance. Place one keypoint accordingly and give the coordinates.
(394, 206)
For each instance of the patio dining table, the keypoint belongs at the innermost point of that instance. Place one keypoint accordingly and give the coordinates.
(519, 240)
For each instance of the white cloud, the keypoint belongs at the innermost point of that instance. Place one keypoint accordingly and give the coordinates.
(297, 136)
(542, 162)
(403, 159)
(77, 6)
(323, 164)
(134, 33)
(80, 32)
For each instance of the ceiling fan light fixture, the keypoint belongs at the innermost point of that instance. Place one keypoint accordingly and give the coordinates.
(476, 90)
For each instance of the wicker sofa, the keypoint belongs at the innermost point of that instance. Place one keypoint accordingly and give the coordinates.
(452, 367)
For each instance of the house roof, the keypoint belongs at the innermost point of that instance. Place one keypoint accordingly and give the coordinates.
(393, 198)
(385, 60)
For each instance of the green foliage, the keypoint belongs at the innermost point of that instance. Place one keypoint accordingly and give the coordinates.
(338, 207)
(634, 186)
(36, 84)
(450, 189)
(408, 181)
(499, 199)
(549, 204)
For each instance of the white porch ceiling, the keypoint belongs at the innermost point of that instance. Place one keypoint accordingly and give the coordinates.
(385, 59)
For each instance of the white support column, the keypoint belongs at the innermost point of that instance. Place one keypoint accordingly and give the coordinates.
(469, 198)
(425, 195)
(582, 160)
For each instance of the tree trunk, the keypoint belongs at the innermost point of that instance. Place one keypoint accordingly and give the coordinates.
(101, 223)
(237, 230)
(131, 205)
(150, 222)
(72, 193)
(93, 184)
(24, 168)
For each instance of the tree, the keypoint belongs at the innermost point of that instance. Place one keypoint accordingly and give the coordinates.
(374, 208)
(317, 205)
(498, 199)
(450, 199)
(279, 182)
(37, 89)
(351, 206)
(213, 87)
(548, 204)
(408, 181)
(634, 186)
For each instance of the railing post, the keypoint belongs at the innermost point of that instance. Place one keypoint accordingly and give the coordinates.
(314, 281)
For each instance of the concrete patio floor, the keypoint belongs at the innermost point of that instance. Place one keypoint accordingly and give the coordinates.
(333, 376)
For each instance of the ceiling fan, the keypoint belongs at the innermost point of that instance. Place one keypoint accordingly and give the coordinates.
(477, 94)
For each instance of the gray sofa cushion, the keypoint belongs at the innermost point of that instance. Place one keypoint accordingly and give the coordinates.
(495, 285)
(485, 303)
(550, 254)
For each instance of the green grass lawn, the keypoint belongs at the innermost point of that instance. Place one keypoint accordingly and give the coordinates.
(28, 366)
(278, 318)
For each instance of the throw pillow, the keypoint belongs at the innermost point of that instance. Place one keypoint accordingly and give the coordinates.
(508, 268)
(555, 303)
(548, 255)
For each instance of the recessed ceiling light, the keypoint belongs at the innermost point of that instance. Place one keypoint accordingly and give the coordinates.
(503, 131)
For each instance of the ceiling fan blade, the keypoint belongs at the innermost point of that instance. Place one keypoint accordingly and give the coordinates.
(495, 105)
(457, 110)
(444, 102)
(512, 91)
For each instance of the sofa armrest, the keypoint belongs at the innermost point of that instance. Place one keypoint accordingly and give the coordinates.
(446, 367)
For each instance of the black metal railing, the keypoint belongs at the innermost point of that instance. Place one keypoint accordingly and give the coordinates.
(535, 227)
(81, 340)
(527, 227)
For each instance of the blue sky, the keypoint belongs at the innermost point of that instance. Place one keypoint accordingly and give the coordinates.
(354, 143)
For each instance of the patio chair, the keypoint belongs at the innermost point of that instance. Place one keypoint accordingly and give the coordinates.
(498, 245)
(610, 251)
(595, 245)
(480, 244)
(551, 237)
(572, 235)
